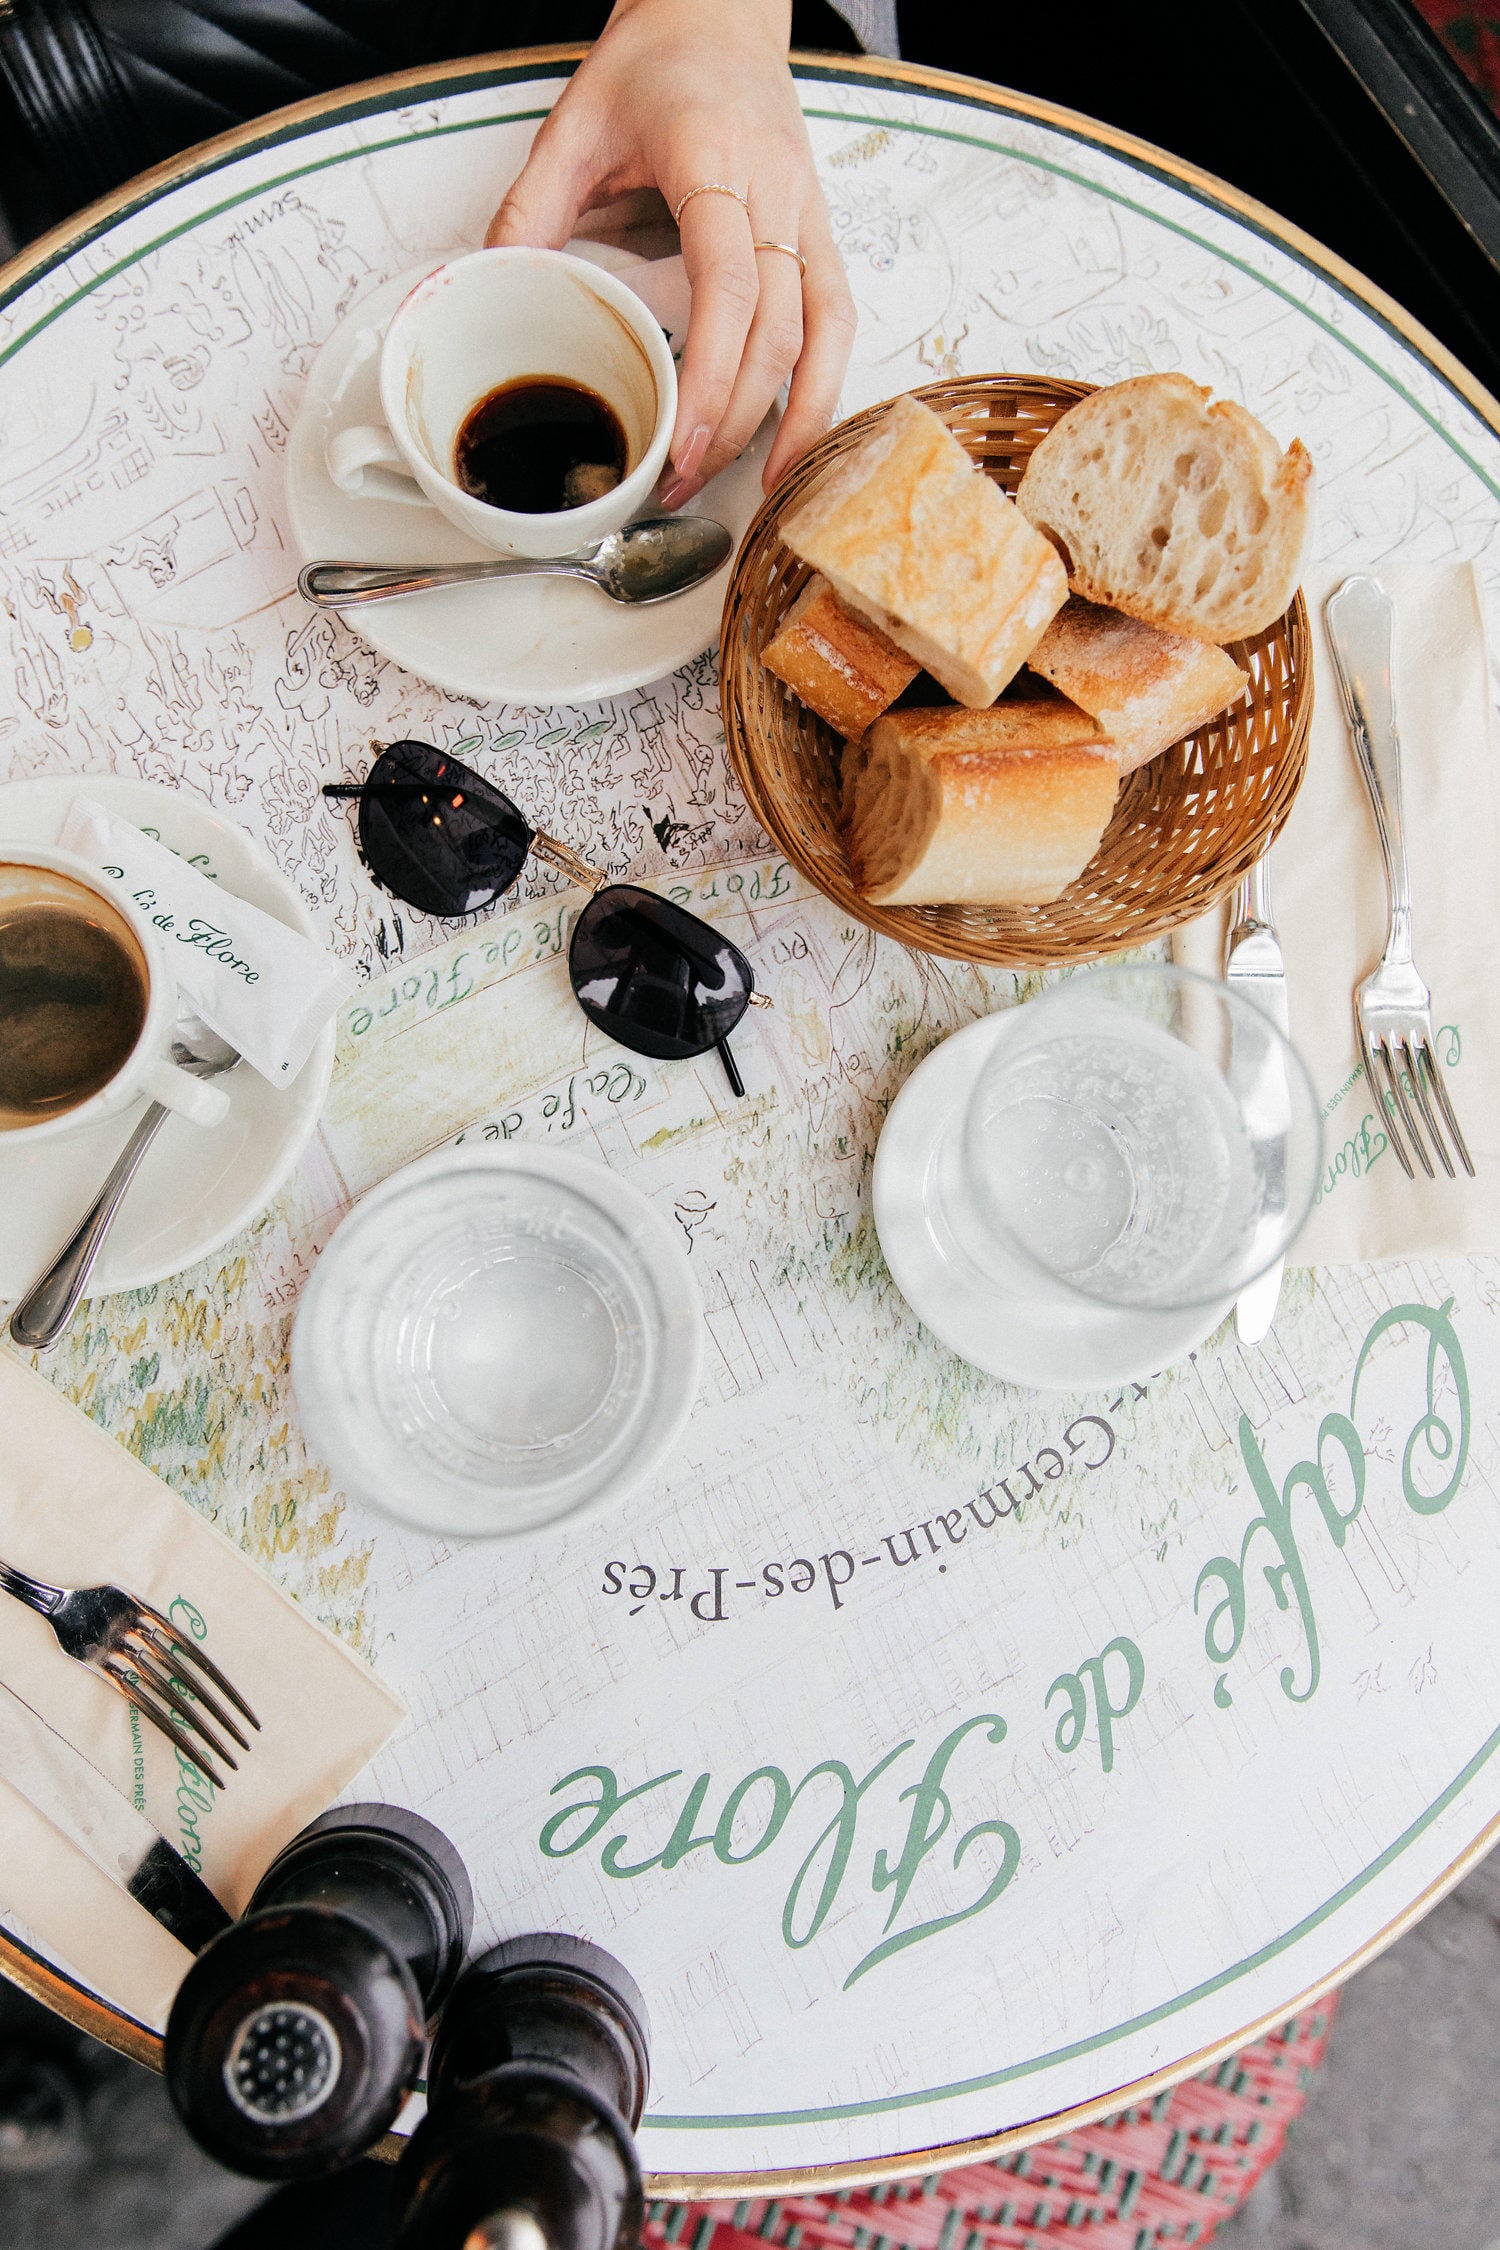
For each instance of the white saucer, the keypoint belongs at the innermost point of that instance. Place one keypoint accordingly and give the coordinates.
(518, 640)
(198, 1186)
(1047, 1345)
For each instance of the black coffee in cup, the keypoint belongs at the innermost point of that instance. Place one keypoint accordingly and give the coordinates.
(538, 445)
(74, 986)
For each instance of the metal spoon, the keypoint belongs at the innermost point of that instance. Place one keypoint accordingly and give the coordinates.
(44, 1312)
(649, 561)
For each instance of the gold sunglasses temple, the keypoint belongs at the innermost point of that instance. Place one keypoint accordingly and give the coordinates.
(567, 862)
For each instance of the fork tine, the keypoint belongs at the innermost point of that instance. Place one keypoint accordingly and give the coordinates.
(134, 1653)
(146, 1705)
(191, 1687)
(1416, 1047)
(1395, 1071)
(1439, 1088)
(195, 1655)
(1399, 1124)
(1372, 1080)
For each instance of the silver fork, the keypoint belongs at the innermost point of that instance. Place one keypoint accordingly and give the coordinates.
(1392, 1006)
(143, 1656)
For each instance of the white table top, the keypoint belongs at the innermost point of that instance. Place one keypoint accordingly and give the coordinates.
(1024, 1921)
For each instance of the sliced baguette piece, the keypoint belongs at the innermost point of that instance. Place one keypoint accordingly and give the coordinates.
(1003, 807)
(1177, 508)
(838, 664)
(913, 537)
(1146, 688)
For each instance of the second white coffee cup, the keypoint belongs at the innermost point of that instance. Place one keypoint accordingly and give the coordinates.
(147, 1071)
(500, 316)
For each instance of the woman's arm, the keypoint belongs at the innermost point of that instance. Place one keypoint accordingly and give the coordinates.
(677, 93)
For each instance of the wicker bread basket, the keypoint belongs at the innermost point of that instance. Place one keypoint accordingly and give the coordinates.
(1186, 826)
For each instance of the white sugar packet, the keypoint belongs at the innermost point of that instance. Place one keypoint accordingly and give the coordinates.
(265, 988)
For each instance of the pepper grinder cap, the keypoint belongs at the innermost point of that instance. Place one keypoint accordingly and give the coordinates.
(292, 2043)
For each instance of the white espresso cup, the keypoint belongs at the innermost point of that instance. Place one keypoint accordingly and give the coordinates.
(53, 882)
(505, 316)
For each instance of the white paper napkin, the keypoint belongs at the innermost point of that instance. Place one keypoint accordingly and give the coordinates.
(77, 1510)
(1330, 912)
(264, 987)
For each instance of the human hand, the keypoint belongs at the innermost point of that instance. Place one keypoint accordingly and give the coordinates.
(677, 93)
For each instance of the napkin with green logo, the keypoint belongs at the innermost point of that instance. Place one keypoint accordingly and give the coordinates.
(1329, 907)
(77, 1510)
(264, 987)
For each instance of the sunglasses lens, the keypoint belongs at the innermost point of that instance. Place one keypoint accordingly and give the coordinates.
(654, 977)
(437, 835)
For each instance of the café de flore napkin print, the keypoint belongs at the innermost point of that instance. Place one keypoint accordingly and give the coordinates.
(265, 988)
(1329, 908)
(77, 1510)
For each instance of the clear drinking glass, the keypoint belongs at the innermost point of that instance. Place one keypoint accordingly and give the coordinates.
(1141, 1137)
(497, 1338)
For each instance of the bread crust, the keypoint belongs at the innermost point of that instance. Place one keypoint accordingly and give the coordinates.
(1177, 508)
(1146, 688)
(915, 538)
(1002, 807)
(837, 663)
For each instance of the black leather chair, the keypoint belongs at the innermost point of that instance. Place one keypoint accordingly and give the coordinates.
(97, 90)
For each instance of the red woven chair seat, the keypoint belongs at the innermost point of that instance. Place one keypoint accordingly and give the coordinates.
(1165, 2171)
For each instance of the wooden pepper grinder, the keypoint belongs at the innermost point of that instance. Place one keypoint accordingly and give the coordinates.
(535, 2086)
(298, 2033)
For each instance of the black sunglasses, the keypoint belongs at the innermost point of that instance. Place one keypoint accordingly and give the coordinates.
(658, 979)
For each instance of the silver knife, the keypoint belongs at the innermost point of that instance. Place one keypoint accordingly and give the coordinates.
(81, 1805)
(1253, 966)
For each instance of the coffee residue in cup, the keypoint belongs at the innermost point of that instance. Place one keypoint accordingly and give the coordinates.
(73, 992)
(540, 445)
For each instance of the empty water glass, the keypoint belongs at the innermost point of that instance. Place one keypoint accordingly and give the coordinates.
(1140, 1137)
(497, 1338)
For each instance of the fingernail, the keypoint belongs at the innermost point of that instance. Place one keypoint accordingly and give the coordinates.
(688, 457)
(680, 489)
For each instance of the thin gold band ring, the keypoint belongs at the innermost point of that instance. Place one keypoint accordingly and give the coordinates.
(709, 187)
(788, 250)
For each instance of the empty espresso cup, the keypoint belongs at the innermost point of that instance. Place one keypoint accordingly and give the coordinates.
(86, 1006)
(510, 317)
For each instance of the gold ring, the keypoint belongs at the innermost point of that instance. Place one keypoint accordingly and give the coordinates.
(709, 187)
(788, 250)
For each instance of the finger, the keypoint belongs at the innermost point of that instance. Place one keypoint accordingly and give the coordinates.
(721, 271)
(771, 352)
(828, 325)
(542, 204)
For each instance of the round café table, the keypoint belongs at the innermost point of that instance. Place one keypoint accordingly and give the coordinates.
(950, 1764)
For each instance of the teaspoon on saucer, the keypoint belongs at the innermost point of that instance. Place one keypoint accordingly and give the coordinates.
(51, 1301)
(650, 561)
